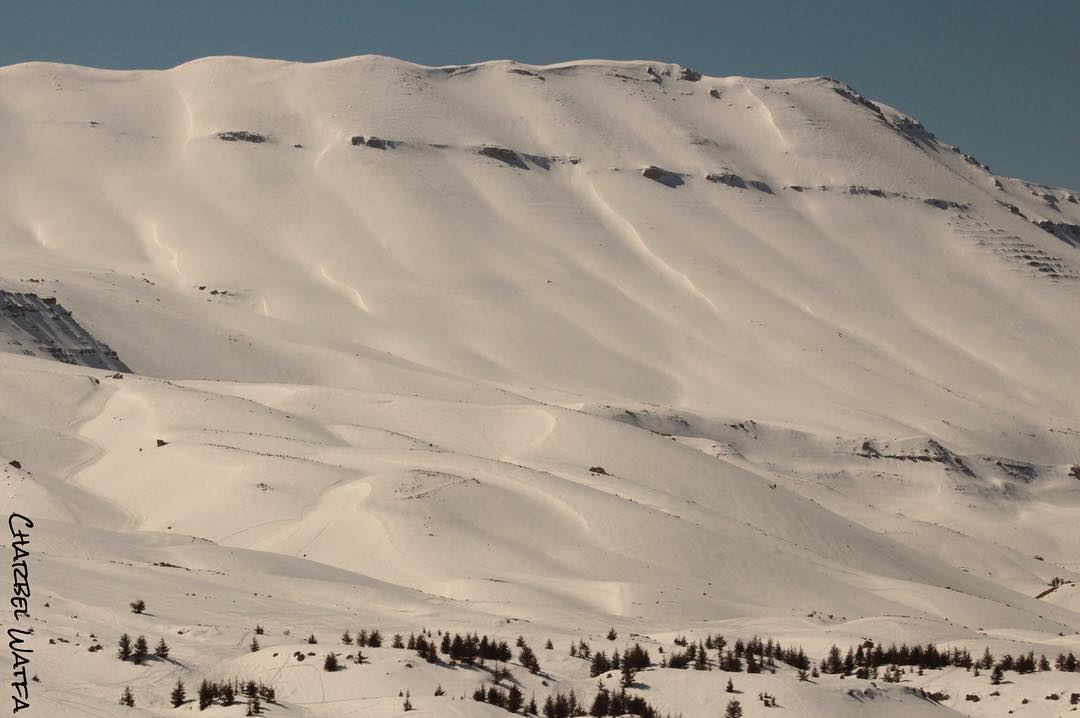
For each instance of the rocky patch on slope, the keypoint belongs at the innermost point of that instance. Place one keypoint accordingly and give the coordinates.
(40, 326)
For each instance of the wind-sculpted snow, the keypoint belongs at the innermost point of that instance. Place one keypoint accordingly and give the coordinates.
(529, 351)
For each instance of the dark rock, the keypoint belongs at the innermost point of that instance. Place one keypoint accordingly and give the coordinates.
(43, 322)
(374, 142)
(663, 176)
(759, 186)
(242, 136)
(1020, 471)
(851, 96)
(15, 463)
(1075, 472)
(503, 154)
(527, 73)
(686, 73)
(870, 191)
(598, 470)
(714, 93)
(728, 178)
(1012, 208)
(943, 203)
(1068, 233)
(162, 442)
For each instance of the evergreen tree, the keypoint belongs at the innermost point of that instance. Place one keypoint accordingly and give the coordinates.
(206, 695)
(346, 638)
(730, 686)
(997, 675)
(178, 695)
(127, 698)
(123, 651)
(228, 695)
(254, 644)
(627, 678)
(330, 663)
(162, 649)
(138, 606)
(140, 651)
(611, 634)
(528, 659)
(407, 705)
(602, 702)
(734, 709)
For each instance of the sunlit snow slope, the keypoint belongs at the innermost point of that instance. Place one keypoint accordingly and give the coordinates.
(385, 323)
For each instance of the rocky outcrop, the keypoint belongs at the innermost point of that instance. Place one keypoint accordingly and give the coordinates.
(1068, 233)
(40, 326)
(503, 154)
(374, 142)
(688, 74)
(733, 180)
(663, 176)
(242, 136)
(727, 178)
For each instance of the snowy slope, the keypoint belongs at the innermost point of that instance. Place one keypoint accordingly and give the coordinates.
(385, 321)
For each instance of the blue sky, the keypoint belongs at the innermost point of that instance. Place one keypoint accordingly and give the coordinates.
(999, 78)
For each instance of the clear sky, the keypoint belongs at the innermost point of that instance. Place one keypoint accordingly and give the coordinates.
(999, 78)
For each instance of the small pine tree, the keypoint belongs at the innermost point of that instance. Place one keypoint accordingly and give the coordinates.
(162, 649)
(123, 651)
(138, 606)
(407, 705)
(312, 640)
(528, 659)
(627, 678)
(330, 663)
(997, 675)
(514, 699)
(398, 641)
(228, 695)
(612, 634)
(439, 690)
(127, 698)
(141, 650)
(254, 706)
(730, 687)
(254, 644)
(206, 695)
(346, 638)
(734, 709)
(549, 645)
(178, 695)
(259, 630)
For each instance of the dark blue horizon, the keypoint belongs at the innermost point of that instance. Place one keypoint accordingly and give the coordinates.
(997, 78)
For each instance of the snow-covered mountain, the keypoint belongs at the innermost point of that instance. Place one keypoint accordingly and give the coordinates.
(528, 351)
